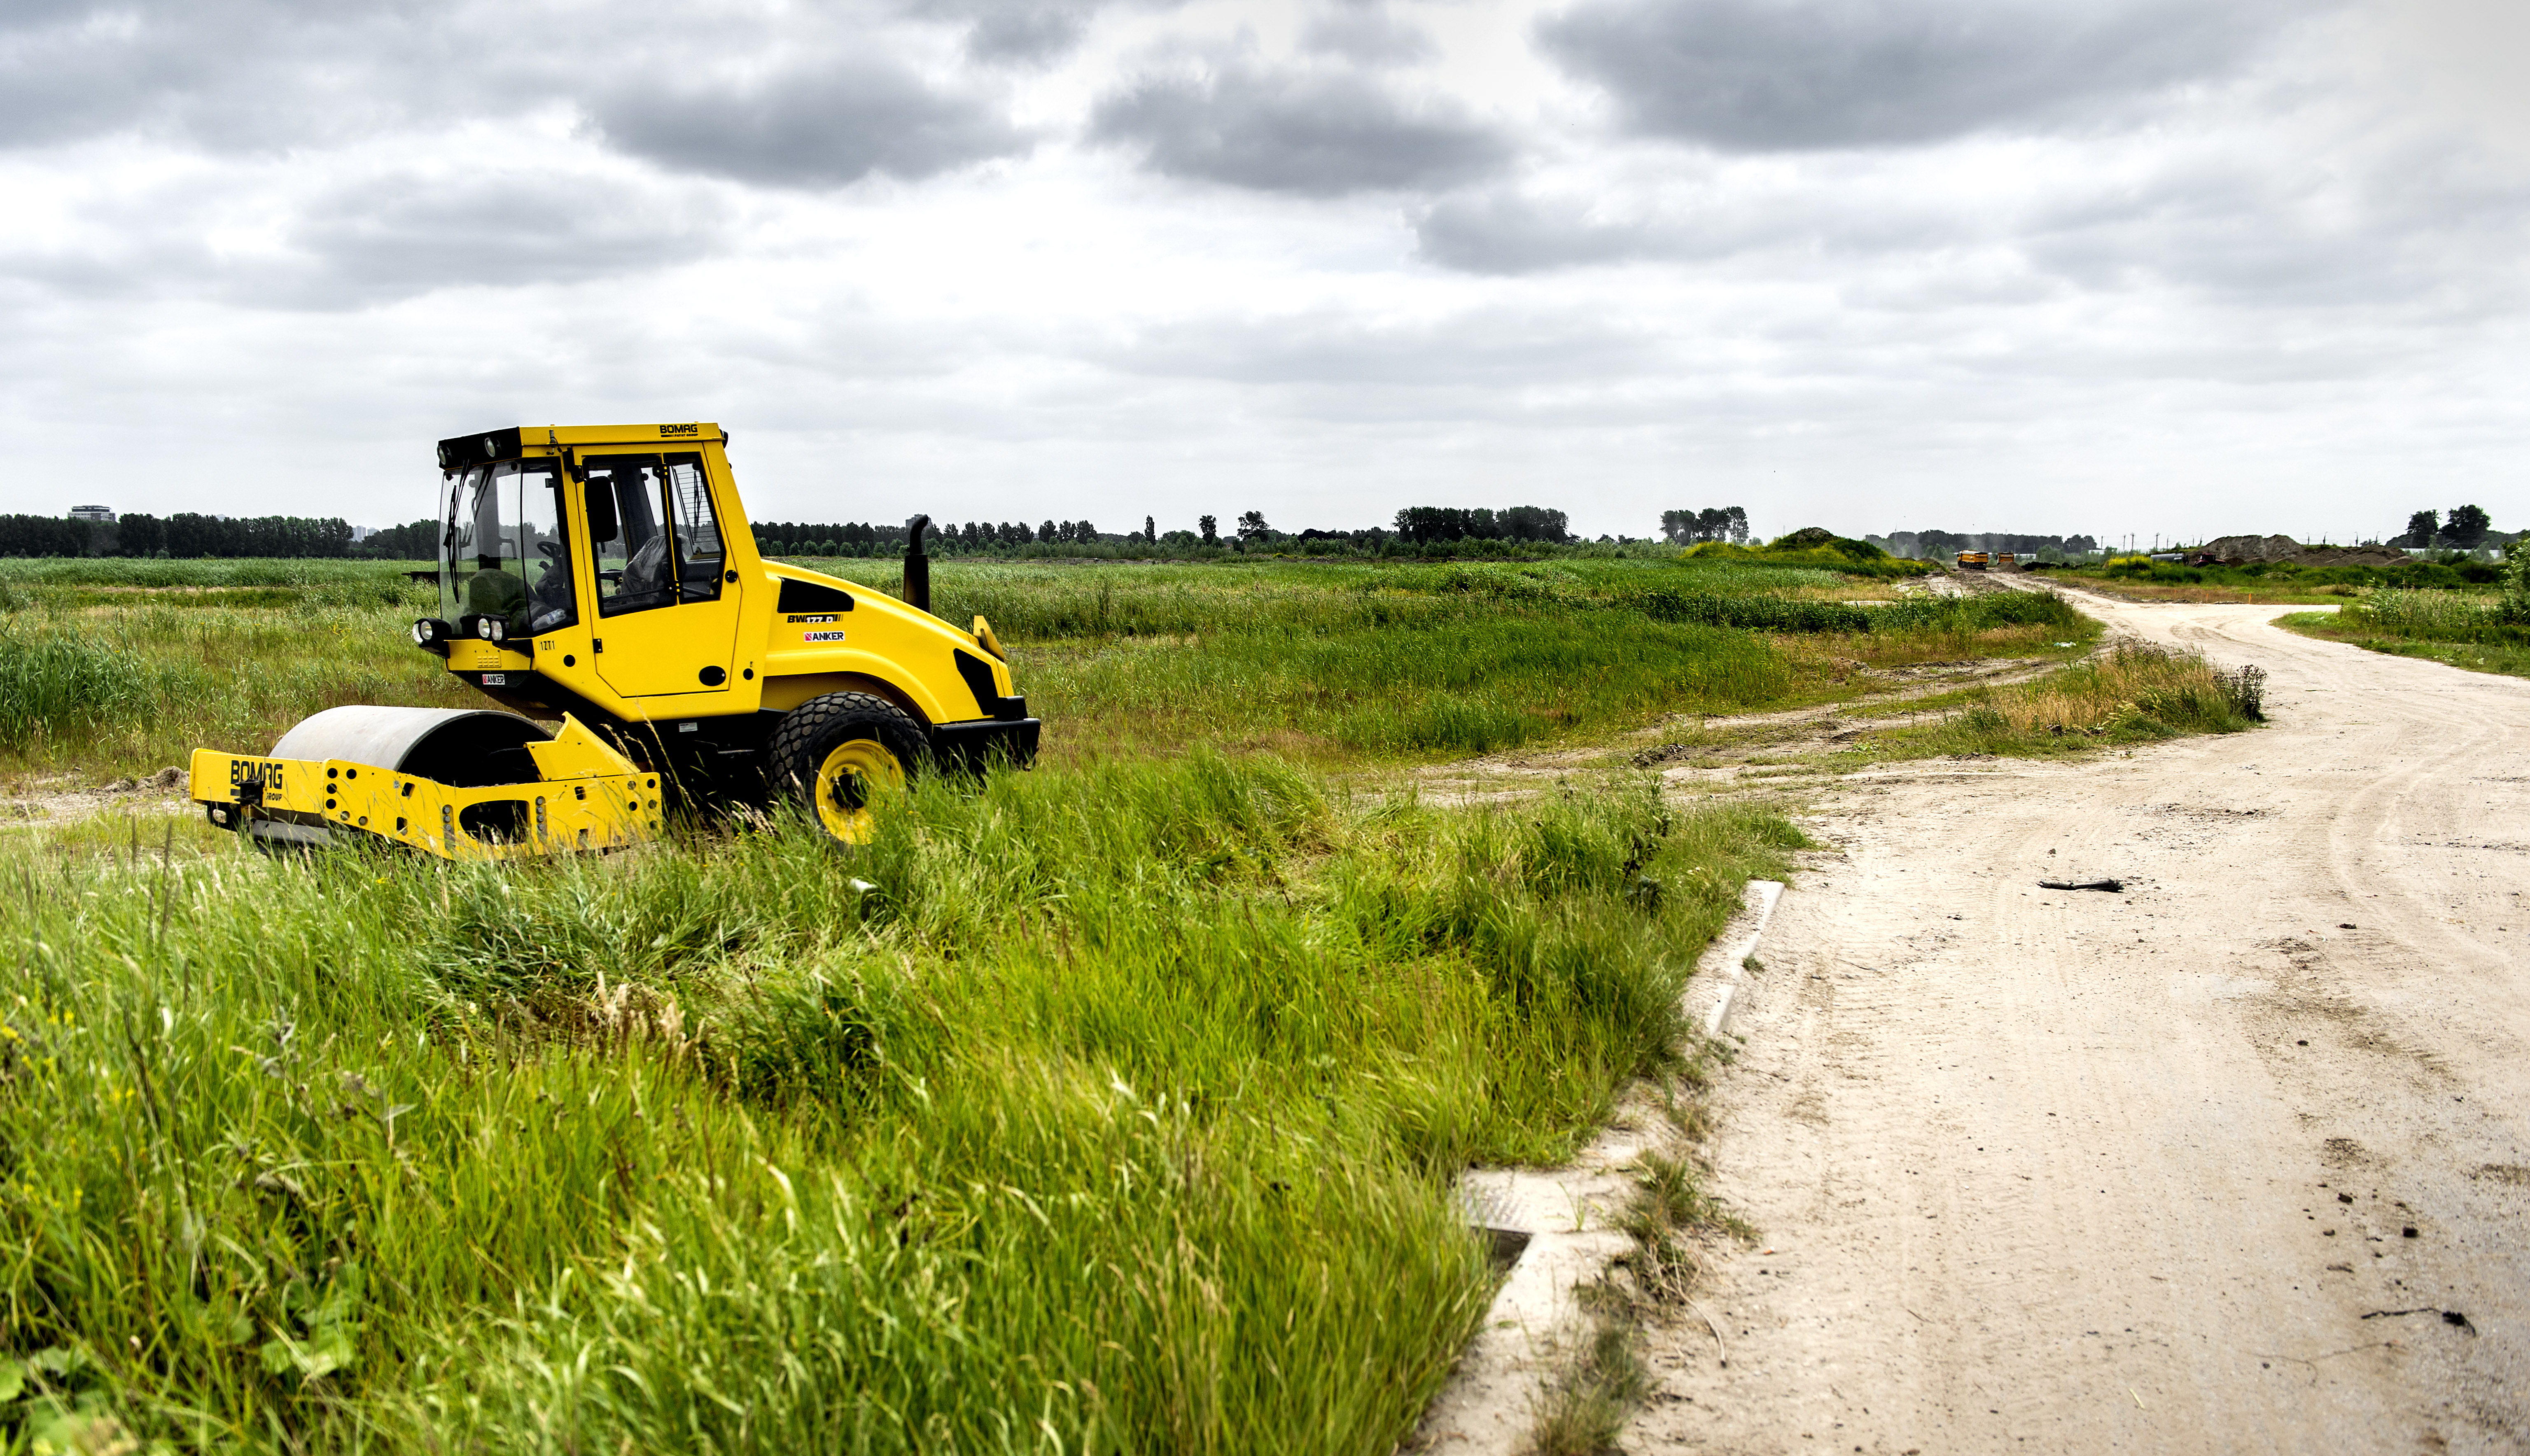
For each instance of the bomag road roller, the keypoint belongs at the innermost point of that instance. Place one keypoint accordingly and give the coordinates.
(604, 578)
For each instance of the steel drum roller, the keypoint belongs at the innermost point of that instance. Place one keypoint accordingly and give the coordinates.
(463, 748)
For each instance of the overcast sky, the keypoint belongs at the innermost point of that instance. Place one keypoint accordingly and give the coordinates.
(2184, 266)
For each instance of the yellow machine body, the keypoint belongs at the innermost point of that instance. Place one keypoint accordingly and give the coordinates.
(606, 578)
(1972, 561)
(585, 796)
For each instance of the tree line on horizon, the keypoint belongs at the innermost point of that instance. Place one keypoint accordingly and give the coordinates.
(2465, 530)
(1712, 524)
(1934, 545)
(184, 534)
(1416, 529)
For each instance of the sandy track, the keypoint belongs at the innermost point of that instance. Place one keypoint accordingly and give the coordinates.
(2049, 1170)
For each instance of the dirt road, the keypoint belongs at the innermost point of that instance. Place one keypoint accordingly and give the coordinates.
(2235, 1160)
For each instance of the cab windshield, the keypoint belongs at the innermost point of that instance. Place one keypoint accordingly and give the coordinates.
(502, 551)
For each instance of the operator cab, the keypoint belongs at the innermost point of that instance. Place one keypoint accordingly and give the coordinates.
(504, 558)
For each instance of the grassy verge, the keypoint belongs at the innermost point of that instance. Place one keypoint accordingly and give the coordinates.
(2282, 581)
(2474, 646)
(1337, 664)
(1095, 1109)
(2135, 693)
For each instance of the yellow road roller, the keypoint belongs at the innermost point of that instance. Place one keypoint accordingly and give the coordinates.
(600, 585)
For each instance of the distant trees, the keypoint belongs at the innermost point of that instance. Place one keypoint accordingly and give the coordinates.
(184, 535)
(832, 538)
(44, 535)
(1253, 526)
(1421, 523)
(418, 541)
(190, 536)
(1712, 524)
(2465, 530)
(1150, 529)
(1939, 545)
(1207, 526)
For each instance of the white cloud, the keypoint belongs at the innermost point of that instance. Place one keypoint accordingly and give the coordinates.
(2138, 267)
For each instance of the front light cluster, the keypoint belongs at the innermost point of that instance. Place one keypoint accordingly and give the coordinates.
(495, 630)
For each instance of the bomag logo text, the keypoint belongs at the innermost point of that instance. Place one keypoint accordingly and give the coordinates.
(674, 431)
(243, 771)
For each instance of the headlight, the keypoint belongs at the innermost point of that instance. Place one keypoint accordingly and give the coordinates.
(495, 630)
(425, 632)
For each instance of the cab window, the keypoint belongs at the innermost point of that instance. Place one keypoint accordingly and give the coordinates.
(696, 531)
(628, 537)
(502, 551)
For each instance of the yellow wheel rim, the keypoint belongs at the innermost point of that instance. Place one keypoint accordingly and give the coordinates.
(843, 783)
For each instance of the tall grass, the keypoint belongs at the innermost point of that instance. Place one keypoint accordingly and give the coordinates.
(2439, 616)
(139, 687)
(111, 582)
(56, 687)
(2134, 692)
(1089, 1110)
(1953, 615)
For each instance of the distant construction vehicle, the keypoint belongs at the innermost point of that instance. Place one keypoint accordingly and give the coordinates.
(605, 576)
(1974, 560)
(2005, 561)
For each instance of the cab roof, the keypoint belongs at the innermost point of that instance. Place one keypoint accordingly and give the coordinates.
(459, 450)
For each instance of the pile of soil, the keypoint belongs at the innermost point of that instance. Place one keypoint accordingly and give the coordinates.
(2241, 550)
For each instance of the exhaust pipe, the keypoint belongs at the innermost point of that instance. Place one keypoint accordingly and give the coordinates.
(917, 567)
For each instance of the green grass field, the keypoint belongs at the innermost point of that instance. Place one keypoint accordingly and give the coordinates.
(2281, 582)
(1111, 1107)
(116, 668)
(2464, 630)
(1115, 1113)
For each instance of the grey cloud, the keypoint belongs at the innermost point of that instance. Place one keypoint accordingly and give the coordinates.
(807, 127)
(1342, 352)
(1313, 131)
(244, 76)
(1369, 35)
(380, 238)
(224, 75)
(1766, 74)
(388, 238)
(1502, 232)
(1025, 30)
(1507, 231)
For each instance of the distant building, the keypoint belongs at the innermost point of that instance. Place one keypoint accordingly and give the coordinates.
(93, 512)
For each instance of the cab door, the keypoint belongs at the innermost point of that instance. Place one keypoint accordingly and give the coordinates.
(667, 603)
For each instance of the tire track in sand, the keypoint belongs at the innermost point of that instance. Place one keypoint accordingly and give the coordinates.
(2088, 1172)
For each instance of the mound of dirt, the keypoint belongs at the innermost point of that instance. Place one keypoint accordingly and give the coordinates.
(2240, 550)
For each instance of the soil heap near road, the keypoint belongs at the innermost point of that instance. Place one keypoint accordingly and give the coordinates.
(2237, 1159)
(2241, 550)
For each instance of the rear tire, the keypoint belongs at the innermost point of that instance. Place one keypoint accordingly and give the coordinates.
(830, 752)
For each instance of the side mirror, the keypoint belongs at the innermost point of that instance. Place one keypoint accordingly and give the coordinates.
(602, 524)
